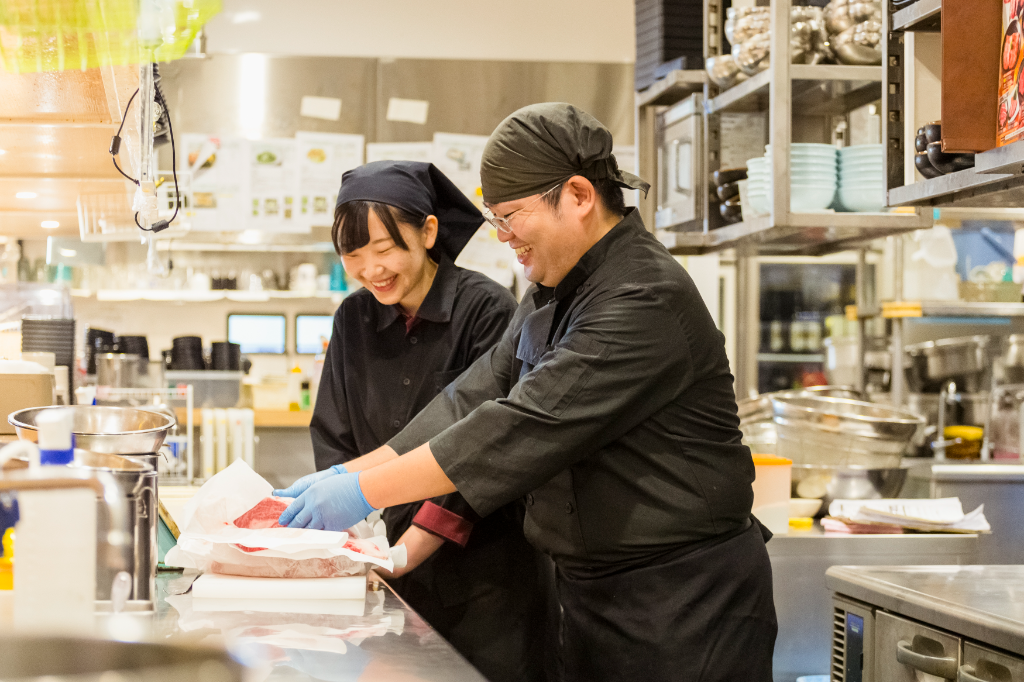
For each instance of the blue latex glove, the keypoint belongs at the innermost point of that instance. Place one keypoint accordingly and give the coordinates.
(300, 486)
(334, 503)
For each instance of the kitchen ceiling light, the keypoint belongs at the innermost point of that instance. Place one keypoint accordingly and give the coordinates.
(26, 195)
(49, 224)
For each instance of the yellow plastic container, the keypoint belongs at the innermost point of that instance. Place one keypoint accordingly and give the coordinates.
(7, 561)
(772, 483)
(969, 446)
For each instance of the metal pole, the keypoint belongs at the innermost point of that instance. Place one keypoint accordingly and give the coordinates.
(862, 305)
(897, 379)
(748, 328)
(780, 117)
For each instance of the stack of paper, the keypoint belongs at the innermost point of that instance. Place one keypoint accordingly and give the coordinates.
(941, 516)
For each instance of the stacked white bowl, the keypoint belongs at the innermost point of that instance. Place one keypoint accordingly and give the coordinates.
(813, 178)
(860, 178)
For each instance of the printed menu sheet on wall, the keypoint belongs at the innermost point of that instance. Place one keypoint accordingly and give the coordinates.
(219, 187)
(273, 186)
(322, 159)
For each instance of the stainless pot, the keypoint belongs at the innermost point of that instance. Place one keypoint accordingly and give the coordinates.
(108, 430)
(931, 364)
(92, 660)
(137, 477)
(118, 370)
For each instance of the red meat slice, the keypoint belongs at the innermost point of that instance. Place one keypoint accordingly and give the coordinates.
(264, 515)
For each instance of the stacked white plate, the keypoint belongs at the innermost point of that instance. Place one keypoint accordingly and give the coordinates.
(813, 178)
(861, 175)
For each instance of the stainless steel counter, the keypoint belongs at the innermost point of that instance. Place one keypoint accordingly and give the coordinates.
(1000, 487)
(983, 603)
(803, 600)
(379, 638)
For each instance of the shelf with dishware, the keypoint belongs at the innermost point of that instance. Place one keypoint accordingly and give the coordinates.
(817, 89)
(923, 15)
(996, 180)
(810, 234)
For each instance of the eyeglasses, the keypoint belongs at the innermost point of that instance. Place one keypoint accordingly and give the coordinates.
(504, 224)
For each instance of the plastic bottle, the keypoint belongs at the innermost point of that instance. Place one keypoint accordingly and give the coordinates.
(56, 443)
(304, 398)
(7, 561)
(295, 389)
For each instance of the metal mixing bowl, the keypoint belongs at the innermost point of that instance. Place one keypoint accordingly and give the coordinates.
(107, 430)
(845, 483)
(836, 432)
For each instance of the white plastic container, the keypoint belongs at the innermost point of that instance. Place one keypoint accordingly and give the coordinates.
(772, 483)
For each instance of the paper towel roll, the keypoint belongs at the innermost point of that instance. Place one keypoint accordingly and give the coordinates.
(216, 586)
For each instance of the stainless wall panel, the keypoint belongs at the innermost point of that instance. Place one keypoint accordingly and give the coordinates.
(473, 97)
(223, 94)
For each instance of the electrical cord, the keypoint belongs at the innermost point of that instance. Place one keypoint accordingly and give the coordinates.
(115, 147)
(115, 142)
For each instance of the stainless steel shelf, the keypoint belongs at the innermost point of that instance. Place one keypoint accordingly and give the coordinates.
(790, 357)
(963, 188)
(923, 15)
(672, 88)
(1001, 160)
(743, 95)
(963, 309)
(812, 234)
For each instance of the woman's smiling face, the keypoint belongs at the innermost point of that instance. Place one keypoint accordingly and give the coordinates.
(395, 276)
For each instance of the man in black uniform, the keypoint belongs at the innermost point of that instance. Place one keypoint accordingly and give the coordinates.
(608, 405)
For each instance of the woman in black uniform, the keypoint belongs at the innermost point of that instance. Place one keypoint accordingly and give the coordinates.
(416, 325)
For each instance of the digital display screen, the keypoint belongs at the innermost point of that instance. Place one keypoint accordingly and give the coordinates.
(312, 332)
(258, 333)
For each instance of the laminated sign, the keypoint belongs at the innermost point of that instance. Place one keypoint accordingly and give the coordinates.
(1010, 124)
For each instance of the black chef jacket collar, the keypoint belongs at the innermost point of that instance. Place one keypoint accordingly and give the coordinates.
(590, 261)
(437, 306)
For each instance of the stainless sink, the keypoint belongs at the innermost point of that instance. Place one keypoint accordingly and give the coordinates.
(24, 658)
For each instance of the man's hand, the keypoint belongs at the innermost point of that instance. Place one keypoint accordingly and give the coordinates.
(333, 503)
(419, 545)
(300, 486)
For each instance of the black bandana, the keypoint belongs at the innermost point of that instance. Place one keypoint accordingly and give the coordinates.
(421, 189)
(542, 145)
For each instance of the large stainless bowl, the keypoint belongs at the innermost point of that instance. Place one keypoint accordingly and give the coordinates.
(760, 408)
(845, 483)
(95, 660)
(107, 430)
(842, 433)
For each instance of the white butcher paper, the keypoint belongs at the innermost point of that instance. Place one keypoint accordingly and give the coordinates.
(213, 586)
(208, 534)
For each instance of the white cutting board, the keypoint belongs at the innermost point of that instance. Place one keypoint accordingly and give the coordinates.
(216, 586)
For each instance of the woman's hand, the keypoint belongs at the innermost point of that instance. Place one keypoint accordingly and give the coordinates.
(419, 545)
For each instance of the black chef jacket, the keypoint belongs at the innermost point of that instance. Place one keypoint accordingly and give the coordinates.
(608, 404)
(379, 371)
